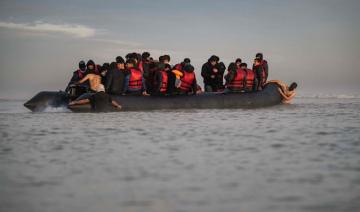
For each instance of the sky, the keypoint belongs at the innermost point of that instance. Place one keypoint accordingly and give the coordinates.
(313, 42)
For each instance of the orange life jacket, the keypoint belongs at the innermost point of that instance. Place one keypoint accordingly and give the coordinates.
(187, 81)
(135, 81)
(164, 82)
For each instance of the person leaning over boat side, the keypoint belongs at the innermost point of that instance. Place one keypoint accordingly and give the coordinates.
(115, 78)
(188, 84)
(287, 92)
(134, 81)
(100, 101)
(261, 69)
(213, 72)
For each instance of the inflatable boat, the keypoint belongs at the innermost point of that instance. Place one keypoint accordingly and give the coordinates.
(269, 96)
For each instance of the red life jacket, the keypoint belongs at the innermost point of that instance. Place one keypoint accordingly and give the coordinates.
(80, 74)
(263, 72)
(250, 77)
(164, 82)
(178, 67)
(187, 81)
(135, 81)
(238, 82)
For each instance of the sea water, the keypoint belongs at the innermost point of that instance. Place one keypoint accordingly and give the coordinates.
(299, 157)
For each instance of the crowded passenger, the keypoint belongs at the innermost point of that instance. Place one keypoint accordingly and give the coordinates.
(261, 70)
(134, 82)
(115, 78)
(213, 73)
(240, 78)
(187, 84)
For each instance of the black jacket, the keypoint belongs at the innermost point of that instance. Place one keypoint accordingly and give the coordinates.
(207, 71)
(76, 78)
(115, 80)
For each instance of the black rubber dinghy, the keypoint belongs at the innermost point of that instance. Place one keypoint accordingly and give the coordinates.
(268, 97)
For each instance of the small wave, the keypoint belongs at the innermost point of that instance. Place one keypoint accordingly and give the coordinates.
(50, 109)
(329, 96)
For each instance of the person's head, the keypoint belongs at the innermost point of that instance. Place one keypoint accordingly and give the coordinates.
(112, 66)
(130, 63)
(145, 56)
(259, 56)
(82, 65)
(243, 65)
(293, 86)
(189, 68)
(257, 61)
(104, 69)
(120, 62)
(166, 59)
(151, 59)
(161, 59)
(232, 67)
(187, 61)
(90, 65)
(238, 62)
(213, 60)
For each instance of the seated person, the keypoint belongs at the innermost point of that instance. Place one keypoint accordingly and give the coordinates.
(187, 84)
(240, 79)
(115, 77)
(100, 101)
(160, 85)
(134, 81)
(94, 80)
(287, 92)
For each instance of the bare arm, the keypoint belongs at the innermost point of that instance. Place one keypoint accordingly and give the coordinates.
(87, 77)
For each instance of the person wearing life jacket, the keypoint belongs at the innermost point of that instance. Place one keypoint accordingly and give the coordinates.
(240, 79)
(72, 89)
(115, 77)
(261, 69)
(188, 84)
(78, 74)
(160, 80)
(212, 73)
(181, 65)
(134, 81)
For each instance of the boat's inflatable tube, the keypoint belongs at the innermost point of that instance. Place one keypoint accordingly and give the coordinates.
(268, 97)
(46, 99)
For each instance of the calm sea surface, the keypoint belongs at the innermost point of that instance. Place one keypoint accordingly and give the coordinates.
(299, 157)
